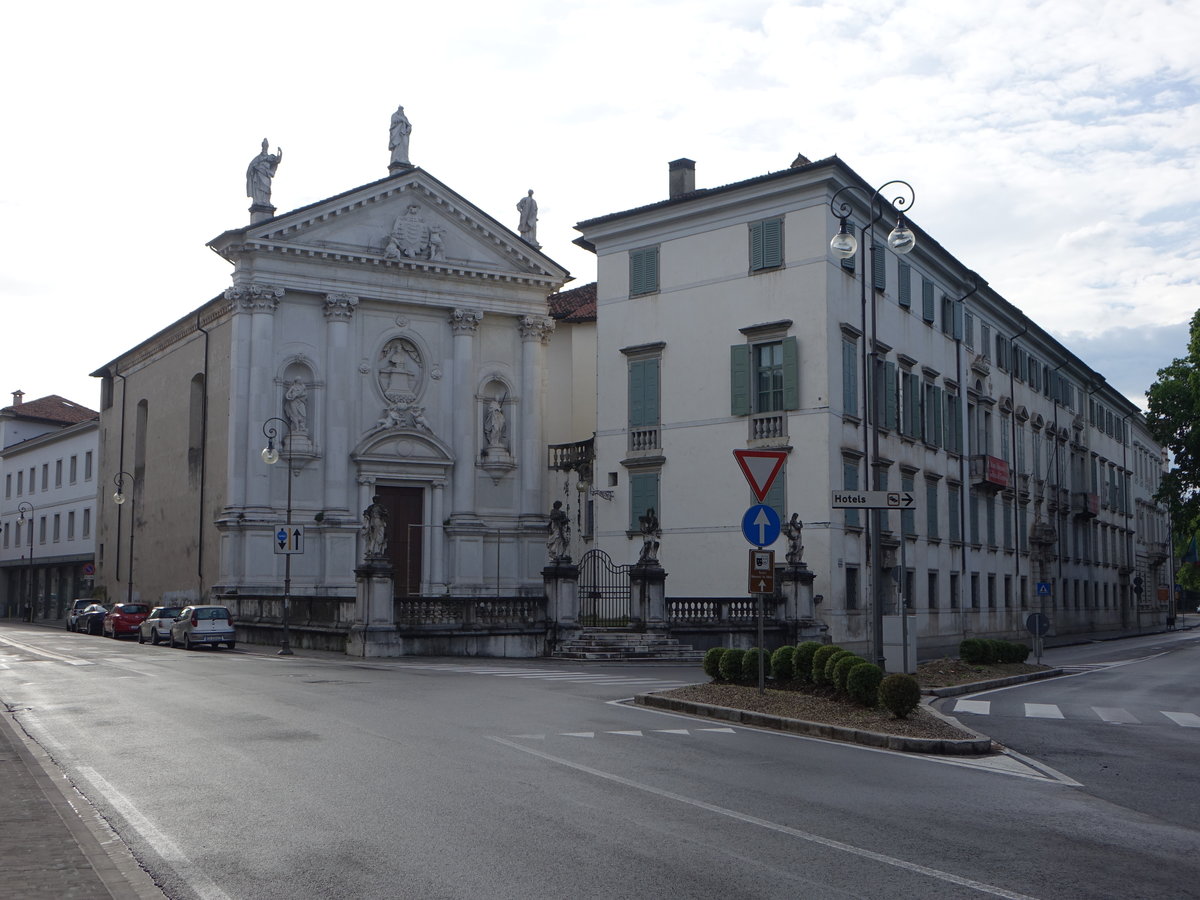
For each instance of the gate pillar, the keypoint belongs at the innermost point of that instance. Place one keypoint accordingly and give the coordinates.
(562, 594)
(649, 599)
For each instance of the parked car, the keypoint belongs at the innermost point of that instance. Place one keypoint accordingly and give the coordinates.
(124, 619)
(157, 626)
(196, 625)
(77, 606)
(91, 620)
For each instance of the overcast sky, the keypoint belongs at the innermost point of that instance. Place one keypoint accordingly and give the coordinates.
(1052, 145)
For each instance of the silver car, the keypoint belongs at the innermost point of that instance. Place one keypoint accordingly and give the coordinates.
(197, 625)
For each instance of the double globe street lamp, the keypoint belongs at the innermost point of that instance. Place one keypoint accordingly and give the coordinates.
(844, 245)
(270, 456)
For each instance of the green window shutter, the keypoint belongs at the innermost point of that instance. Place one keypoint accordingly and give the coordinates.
(958, 320)
(947, 315)
(968, 334)
(791, 373)
(643, 494)
(772, 243)
(739, 380)
(777, 496)
(905, 287)
(848, 262)
(878, 267)
(931, 510)
(756, 246)
(850, 378)
(643, 392)
(891, 390)
(927, 300)
(643, 271)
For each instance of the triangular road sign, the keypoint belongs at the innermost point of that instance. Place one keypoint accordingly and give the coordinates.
(760, 468)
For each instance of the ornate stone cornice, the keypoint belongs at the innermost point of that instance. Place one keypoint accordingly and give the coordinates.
(465, 321)
(535, 328)
(254, 297)
(340, 306)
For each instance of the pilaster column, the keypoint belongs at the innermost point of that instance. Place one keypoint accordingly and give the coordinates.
(339, 310)
(251, 388)
(535, 334)
(437, 537)
(464, 323)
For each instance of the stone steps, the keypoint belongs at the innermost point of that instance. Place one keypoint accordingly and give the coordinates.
(618, 645)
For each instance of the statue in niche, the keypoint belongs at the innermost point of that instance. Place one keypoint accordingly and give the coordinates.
(374, 530)
(409, 237)
(527, 206)
(399, 370)
(398, 133)
(259, 174)
(651, 534)
(559, 541)
(494, 425)
(793, 530)
(295, 406)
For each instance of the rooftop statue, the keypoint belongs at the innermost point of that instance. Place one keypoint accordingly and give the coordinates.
(259, 174)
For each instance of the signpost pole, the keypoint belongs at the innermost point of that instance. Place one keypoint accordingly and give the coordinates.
(762, 675)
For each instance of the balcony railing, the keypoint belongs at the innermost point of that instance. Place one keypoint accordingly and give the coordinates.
(571, 457)
(1085, 504)
(644, 438)
(989, 472)
(768, 426)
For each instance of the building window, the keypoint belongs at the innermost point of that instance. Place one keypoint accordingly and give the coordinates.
(766, 244)
(931, 510)
(45, 476)
(71, 525)
(973, 516)
(643, 270)
(6, 531)
(644, 404)
(87, 522)
(989, 505)
(878, 267)
(908, 516)
(851, 587)
(643, 495)
(954, 589)
(905, 286)
(57, 528)
(931, 590)
(954, 510)
(850, 377)
(58, 473)
(777, 496)
(1008, 592)
(74, 469)
(41, 529)
(947, 315)
(8, 485)
(764, 377)
(991, 589)
(927, 311)
(974, 590)
(87, 466)
(969, 330)
(850, 483)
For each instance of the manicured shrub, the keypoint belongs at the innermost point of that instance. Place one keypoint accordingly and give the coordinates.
(712, 662)
(1020, 652)
(862, 683)
(831, 665)
(820, 658)
(972, 651)
(900, 694)
(750, 664)
(802, 661)
(781, 664)
(731, 664)
(841, 670)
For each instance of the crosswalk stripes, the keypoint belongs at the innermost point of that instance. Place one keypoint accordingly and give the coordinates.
(1109, 714)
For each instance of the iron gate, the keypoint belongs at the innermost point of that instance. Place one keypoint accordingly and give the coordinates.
(603, 591)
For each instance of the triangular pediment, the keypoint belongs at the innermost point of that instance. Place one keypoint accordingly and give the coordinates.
(408, 221)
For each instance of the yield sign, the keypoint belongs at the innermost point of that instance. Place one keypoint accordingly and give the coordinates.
(760, 468)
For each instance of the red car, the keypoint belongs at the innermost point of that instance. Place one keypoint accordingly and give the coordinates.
(124, 619)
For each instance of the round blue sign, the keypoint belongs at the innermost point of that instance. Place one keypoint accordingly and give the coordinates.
(760, 525)
(1037, 624)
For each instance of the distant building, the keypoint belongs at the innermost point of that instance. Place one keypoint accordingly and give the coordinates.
(48, 451)
(724, 321)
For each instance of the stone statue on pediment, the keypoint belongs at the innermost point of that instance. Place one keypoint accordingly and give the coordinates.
(259, 174)
(527, 226)
(398, 133)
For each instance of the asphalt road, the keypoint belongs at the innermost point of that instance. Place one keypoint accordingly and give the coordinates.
(246, 775)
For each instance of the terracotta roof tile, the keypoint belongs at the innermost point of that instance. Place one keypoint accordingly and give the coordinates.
(52, 409)
(575, 305)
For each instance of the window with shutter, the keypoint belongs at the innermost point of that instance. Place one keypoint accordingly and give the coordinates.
(908, 517)
(850, 483)
(927, 311)
(643, 495)
(968, 329)
(848, 262)
(777, 495)
(739, 380)
(905, 286)
(931, 510)
(766, 244)
(643, 270)
(850, 378)
(947, 315)
(878, 267)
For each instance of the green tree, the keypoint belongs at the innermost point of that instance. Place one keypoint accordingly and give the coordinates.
(1173, 418)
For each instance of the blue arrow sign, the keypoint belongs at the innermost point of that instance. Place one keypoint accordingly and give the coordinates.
(760, 525)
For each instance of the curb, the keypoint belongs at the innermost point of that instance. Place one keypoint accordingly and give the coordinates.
(974, 746)
(975, 687)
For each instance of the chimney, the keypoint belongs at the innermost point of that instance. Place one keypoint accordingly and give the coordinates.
(683, 177)
(17, 397)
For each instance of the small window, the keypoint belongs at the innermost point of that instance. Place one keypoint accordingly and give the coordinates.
(851, 587)
(643, 271)
(766, 244)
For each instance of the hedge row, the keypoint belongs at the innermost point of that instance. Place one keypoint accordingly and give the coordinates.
(984, 651)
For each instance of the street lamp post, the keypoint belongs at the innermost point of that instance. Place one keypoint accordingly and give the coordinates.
(844, 245)
(27, 508)
(270, 456)
(118, 498)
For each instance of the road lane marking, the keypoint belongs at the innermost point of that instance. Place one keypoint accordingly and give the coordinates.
(1115, 715)
(48, 654)
(1187, 720)
(628, 733)
(1042, 711)
(582, 734)
(979, 707)
(808, 836)
(163, 845)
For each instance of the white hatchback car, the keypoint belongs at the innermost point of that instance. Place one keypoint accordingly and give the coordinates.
(157, 626)
(198, 625)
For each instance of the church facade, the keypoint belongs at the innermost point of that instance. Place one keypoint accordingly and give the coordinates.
(390, 346)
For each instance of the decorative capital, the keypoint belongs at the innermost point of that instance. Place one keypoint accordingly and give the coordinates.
(465, 321)
(254, 297)
(536, 328)
(340, 306)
